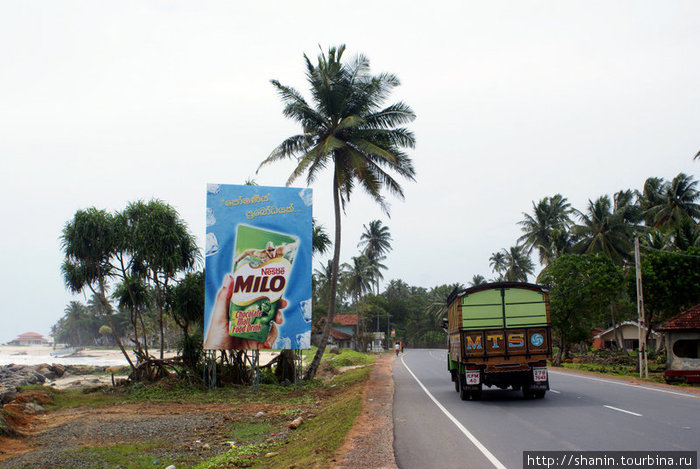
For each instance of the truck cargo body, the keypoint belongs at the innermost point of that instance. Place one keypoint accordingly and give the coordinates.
(499, 335)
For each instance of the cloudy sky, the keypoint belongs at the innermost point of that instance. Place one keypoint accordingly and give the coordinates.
(104, 103)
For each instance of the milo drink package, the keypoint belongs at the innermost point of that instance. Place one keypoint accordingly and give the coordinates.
(263, 261)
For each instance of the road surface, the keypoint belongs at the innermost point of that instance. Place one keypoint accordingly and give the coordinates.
(434, 428)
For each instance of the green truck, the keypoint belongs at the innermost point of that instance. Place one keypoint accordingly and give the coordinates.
(499, 335)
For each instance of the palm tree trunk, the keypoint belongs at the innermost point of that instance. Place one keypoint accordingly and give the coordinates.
(311, 372)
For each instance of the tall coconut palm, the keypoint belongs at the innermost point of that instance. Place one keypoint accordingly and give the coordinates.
(376, 242)
(347, 130)
(679, 201)
(320, 242)
(650, 198)
(518, 265)
(546, 228)
(602, 230)
(438, 296)
(497, 261)
(477, 280)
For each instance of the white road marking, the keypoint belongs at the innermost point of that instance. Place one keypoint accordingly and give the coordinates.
(461, 427)
(555, 392)
(622, 410)
(623, 384)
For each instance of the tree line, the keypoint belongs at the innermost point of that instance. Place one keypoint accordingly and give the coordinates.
(588, 256)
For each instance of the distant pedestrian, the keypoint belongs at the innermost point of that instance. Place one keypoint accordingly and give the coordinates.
(401, 347)
(397, 348)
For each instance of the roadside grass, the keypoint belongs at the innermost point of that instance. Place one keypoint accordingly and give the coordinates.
(616, 363)
(328, 406)
(127, 456)
(656, 374)
(251, 432)
(315, 442)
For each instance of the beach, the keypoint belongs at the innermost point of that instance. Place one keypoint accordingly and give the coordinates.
(38, 354)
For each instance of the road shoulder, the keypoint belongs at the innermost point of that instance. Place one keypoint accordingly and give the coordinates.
(369, 444)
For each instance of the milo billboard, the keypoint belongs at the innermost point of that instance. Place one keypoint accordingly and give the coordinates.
(258, 267)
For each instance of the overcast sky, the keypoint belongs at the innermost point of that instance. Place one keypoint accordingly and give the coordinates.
(104, 103)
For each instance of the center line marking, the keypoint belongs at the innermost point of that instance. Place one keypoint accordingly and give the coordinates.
(622, 410)
(466, 432)
(555, 392)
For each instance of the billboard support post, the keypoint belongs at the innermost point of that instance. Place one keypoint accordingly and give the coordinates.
(298, 364)
(255, 370)
(210, 368)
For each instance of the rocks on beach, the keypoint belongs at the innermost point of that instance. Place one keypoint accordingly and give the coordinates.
(12, 376)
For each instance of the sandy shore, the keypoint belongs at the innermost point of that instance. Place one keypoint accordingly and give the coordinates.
(37, 354)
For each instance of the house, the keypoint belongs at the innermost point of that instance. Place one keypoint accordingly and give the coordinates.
(346, 323)
(628, 331)
(683, 346)
(342, 333)
(340, 338)
(29, 338)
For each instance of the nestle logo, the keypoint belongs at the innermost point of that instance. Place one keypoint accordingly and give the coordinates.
(272, 271)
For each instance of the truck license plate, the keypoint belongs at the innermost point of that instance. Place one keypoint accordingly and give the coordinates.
(472, 377)
(540, 374)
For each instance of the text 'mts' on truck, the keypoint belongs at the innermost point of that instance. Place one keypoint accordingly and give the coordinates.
(499, 335)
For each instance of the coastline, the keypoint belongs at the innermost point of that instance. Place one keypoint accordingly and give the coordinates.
(38, 354)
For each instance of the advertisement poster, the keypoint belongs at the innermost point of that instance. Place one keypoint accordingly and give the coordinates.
(258, 267)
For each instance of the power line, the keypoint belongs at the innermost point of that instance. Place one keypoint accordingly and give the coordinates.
(649, 248)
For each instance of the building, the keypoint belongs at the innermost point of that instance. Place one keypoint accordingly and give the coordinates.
(340, 339)
(683, 346)
(346, 323)
(29, 338)
(628, 332)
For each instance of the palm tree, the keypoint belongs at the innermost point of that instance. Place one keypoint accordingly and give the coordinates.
(518, 265)
(320, 242)
(357, 276)
(376, 241)
(477, 280)
(438, 296)
(650, 197)
(678, 202)
(547, 228)
(603, 230)
(497, 261)
(346, 129)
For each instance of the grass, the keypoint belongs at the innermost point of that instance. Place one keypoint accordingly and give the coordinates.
(127, 456)
(317, 441)
(69, 398)
(251, 432)
(656, 372)
(314, 443)
(329, 408)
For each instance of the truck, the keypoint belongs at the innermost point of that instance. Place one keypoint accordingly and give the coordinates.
(499, 334)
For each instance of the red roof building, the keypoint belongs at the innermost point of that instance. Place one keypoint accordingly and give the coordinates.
(29, 338)
(686, 321)
(345, 319)
(683, 346)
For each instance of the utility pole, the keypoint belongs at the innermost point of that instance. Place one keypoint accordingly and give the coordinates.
(640, 311)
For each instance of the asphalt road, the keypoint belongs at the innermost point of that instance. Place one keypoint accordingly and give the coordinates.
(580, 413)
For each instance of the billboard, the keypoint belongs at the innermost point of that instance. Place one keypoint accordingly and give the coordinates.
(257, 267)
